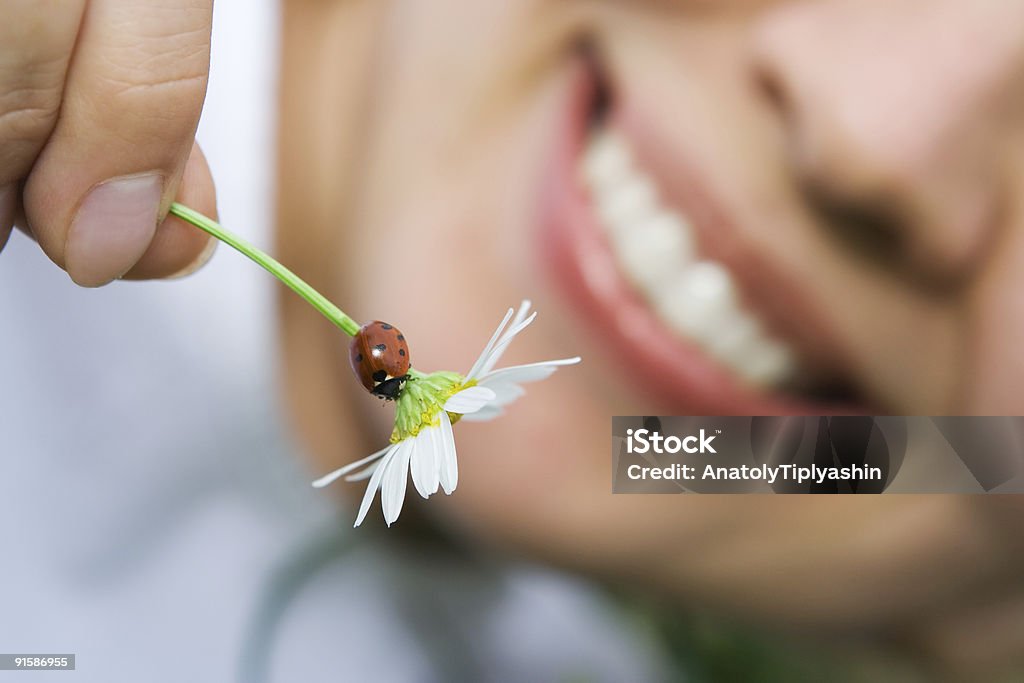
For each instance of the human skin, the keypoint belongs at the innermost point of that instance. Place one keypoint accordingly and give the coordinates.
(420, 145)
(417, 146)
(99, 103)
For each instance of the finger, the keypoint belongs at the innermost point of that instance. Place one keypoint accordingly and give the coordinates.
(179, 249)
(37, 38)
(19, 217)
(132, 99)
(7, 200)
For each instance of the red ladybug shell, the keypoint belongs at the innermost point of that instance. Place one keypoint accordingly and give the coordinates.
(378, 354)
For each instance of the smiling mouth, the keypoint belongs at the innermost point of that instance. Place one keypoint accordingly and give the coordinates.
(655, 248)
(638, 269)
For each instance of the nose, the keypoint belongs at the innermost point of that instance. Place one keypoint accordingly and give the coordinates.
(894, 113)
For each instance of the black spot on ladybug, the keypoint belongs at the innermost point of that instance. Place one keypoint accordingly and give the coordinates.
(381, 347)
(380, 375)
(359, 358)
(401, 352)
(401, 337)
(385, 326)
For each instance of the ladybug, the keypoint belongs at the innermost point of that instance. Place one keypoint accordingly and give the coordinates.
(380, 359)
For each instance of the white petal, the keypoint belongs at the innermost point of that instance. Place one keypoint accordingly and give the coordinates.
(503, 343)
(392, 491)
(475, 370)
(341, 471)
(524, 308)
(424, 464)
(469, 400)
(364, 473)
(371, 488)
(505, 392)
(488, 412)
(531, 372)
(448, 464)
(434, 436)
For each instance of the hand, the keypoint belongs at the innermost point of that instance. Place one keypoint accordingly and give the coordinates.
(99, 103)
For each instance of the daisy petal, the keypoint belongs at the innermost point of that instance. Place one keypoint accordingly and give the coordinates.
(448, 464)
(392, 490)
(469, 400)
(500, 347)
(341, 471)
(364, 473)
(422, 465)
(434, 439)
(531, 372)
(488, 412)
(475, 370)
(505, 392)
(371, 488)
(524, 308)
(515, 327)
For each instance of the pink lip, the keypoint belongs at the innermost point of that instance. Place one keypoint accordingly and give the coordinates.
(578, 259)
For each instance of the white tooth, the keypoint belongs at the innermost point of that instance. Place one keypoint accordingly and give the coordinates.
(768, 362)
(625, 205)
(698, 299)
(607, 160)
(738, 334)
(655, 250)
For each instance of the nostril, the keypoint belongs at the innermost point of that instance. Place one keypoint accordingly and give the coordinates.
(869, 227)
(888, 226)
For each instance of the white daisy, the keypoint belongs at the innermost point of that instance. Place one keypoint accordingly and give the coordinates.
(422, 441)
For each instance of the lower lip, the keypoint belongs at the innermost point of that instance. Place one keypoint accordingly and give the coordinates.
(665, 368)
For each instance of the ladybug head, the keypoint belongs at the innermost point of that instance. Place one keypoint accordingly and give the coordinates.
(389, 389)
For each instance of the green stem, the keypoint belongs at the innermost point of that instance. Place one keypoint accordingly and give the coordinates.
(298, 285)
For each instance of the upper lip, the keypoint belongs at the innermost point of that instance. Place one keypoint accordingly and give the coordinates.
(665, 366)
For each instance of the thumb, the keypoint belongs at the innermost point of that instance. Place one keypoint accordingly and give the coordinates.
(177, 248)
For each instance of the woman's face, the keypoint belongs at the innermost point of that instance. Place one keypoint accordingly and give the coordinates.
(723, 206)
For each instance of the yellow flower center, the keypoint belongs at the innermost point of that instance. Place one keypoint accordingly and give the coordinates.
(422, 400)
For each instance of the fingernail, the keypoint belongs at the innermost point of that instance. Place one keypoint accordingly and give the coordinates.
(205, 255)
(6, 213)
(113, 228)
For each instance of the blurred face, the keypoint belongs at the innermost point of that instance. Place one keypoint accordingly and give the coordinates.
(724, 207)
